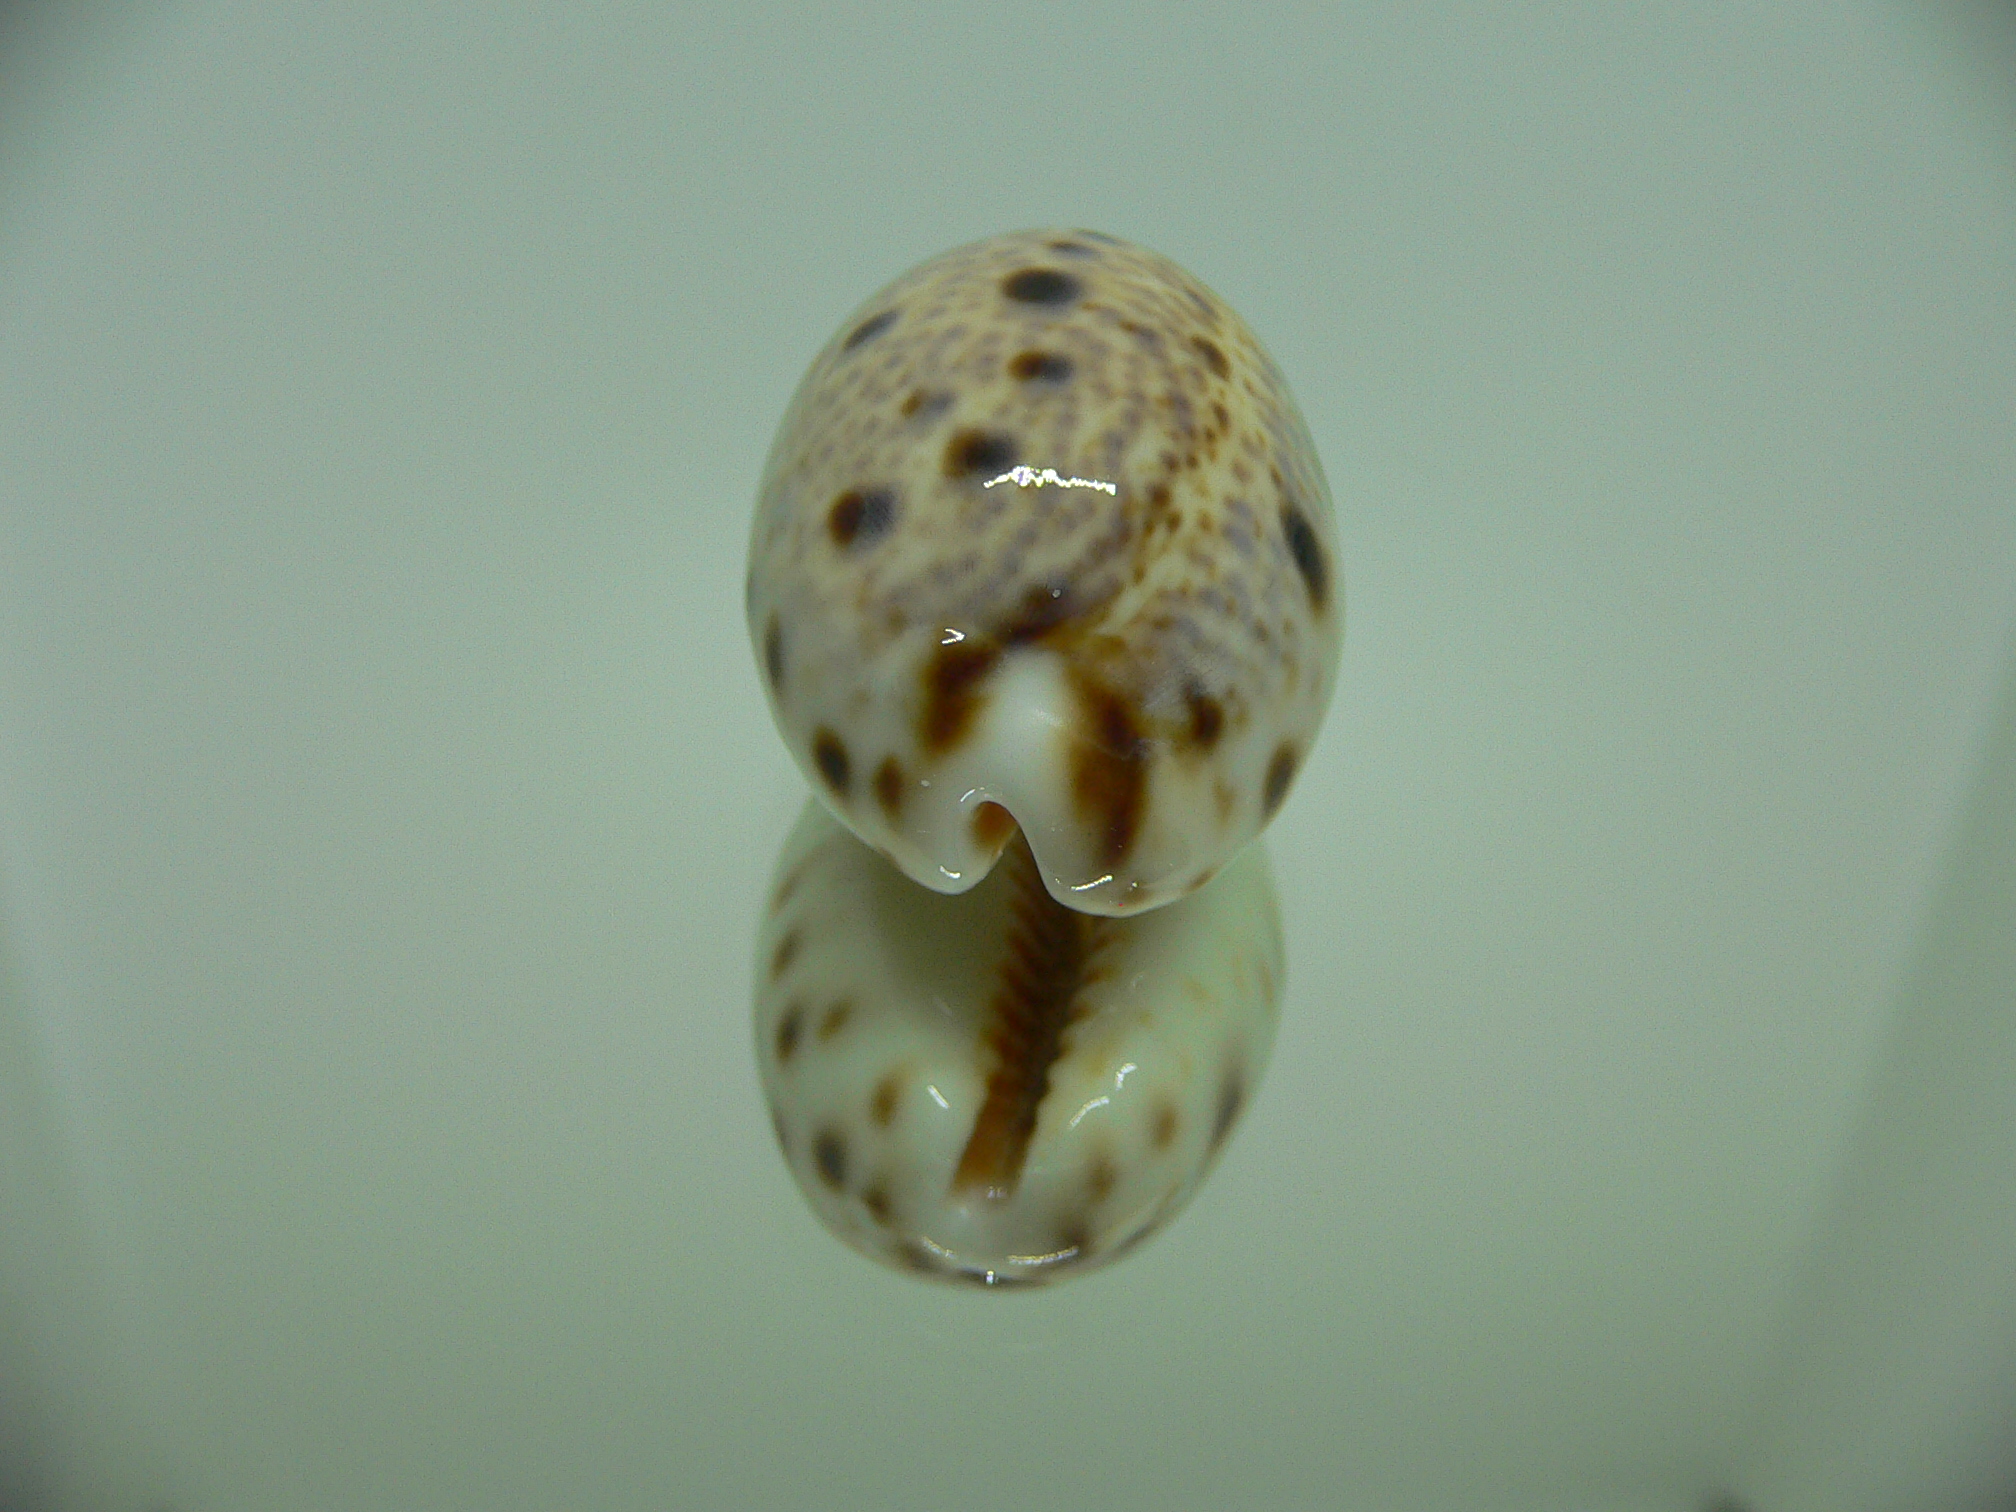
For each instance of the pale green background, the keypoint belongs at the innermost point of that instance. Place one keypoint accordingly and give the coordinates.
(386, 791)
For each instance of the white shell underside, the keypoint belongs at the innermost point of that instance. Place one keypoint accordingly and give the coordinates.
(879, 1035)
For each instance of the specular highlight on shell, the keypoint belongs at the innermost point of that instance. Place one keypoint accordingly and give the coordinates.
(1043, 542)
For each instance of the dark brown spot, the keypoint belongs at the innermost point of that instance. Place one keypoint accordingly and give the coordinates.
(1162, 1128)
(1109, 769)
(882, 1106)
(1213, 358)
(784, 954)
(973, 453)
(868, 330)
(789, 1028)
(876, 1200)
(1207, 717)
(1231, 1098)
(1158, 498)
(835, 1019)
(952, 693)
(1100, 1179)
(920, 403)
(1041, 286)
(829, 1154)
(773, 653)
(1034, 1002)
(1072, 249)
(830, 756)
(861, 516)
(889, 787)
(992, 825)
(1043, 367)
(1307, 552)
(1280, 772)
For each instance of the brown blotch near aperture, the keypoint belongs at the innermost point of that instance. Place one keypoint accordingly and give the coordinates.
(971, 453)
(1072, 249)
(880, 1208)
(1231, 1098)
(829, 1155)
(1039, 367)
(1035, 1000)
(1041, 286)
(773, 653)
(861, 516)
(889, 785)
(785, 953)
(868, 330)
(1280, 772)
(1100, 1179)
(789, 1028)
(922, 404)
(1045, 608)
(1213, 357)
(1162, 1127)
(835, 1019)
(953, 693)
(1207, 717)
(1109, 769)
(992, 827)
(883, 1103)
(1307, 552)
(830, 756)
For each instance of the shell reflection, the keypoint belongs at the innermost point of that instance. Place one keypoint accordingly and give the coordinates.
(989, 1086)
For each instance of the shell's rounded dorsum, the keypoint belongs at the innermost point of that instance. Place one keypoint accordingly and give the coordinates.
(993, 1087)
(1043, 535)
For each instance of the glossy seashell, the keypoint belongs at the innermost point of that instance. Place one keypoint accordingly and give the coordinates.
(1043, 536)
(991, 1087)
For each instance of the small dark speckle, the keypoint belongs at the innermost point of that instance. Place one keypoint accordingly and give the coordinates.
(1213, 357)
(1041, 286)
(888, 1095)
(920, 404)
(835, 1018)
(830, 756)
(773, 653)
(1280, 772)
(1307, 552)
(1072, 249)
(868, 330)
(829, 1154)
(889, 786)
(1040, 367)
(1163, 1128)
(876, 1200)
(971, 453)
(861, 516)
(785, 953)
(1231, 1097)
(789, 1028)
(1207, 717)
